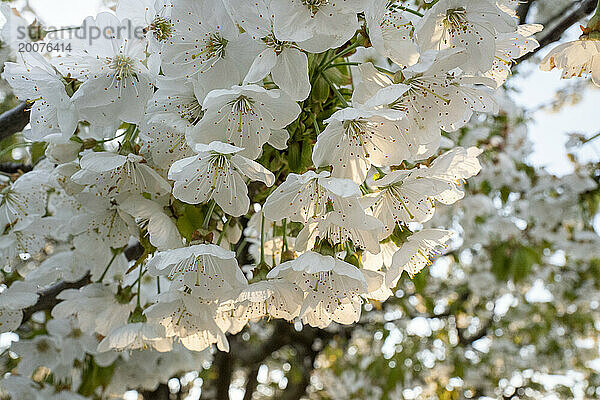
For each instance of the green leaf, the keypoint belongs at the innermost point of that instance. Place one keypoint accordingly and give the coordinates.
(38, 151)
(94, 376)
(295, 157)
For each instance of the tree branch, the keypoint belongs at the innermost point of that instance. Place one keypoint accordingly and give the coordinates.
(13, 121)
(224, 364)
(48, 300)
(279, 338)
(523, 10)
(251, 383)
(560, 14)
(481, 333)
(13, 168)
(306, 359)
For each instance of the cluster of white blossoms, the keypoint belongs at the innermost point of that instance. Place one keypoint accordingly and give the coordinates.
(513, 246)
(239, 129)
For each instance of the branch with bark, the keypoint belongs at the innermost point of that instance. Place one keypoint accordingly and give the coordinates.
(14, 168)
(14, 121)
(480, 334)
(48, 298)
(523, 10)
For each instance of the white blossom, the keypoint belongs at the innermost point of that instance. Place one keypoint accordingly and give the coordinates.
(26, 197)
(150, 215)
(286, 63)
(472, 26)
(33, 79)
(332, 288)
(213, 50)
(116, 83)
(392, 33)
(210, 270)
(138, 335)
(354, 140)
(95, 307)
(246, 116)
(316, 25)
(217, 173)
(110, 174)
(189, 318)
(416, 253)
(578, 58)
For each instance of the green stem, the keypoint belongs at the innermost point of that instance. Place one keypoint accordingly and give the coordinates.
(107, 267)
(342, 64)
(315, 124)
(130, 133)
(284, 245)
(211, 208)
(158, 284)
(317, 70)
(273, 263)
(241, 248)
(410, 11)
(139, 284)
(597, 135)
(262, 240)
(222, 234)
(335, 90)
(136, 281)
(139, 263)
(342, 53)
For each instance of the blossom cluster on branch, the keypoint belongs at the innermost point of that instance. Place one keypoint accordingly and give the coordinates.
(272, 158)
(580, 57)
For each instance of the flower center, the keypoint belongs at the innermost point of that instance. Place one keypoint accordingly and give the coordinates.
(123, 66)
(42, 346)
(76, 333)
(277, 45)
(314, 5)
(455, 19)
(162, 28)
(242, 106)
(214, 47)
(354, 130)
(219, 169)
(420, 88)
(191, 111)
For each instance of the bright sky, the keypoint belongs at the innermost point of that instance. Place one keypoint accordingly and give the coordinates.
(62, 13)
(548, 131)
